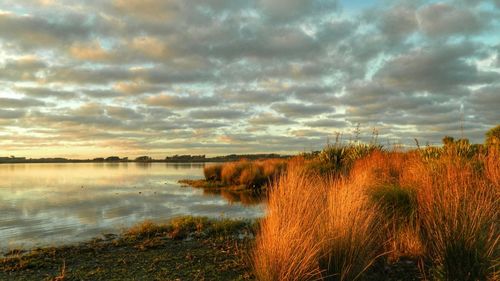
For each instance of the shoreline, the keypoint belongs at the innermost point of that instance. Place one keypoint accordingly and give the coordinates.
(186, 248)
(174, 159)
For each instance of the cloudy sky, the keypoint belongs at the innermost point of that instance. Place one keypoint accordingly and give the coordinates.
(160, 77)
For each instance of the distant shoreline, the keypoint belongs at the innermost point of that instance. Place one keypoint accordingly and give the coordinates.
(36, 161)
(144, 159)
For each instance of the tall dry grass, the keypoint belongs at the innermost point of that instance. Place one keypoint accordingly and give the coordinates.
(316, 229)
(287, 247)
(352, 232)
(442, 208)
(459, 211)
(384, 175)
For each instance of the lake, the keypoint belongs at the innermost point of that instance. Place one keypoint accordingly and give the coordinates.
(55, 204)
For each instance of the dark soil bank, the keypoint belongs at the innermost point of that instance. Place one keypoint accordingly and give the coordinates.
(145, 259)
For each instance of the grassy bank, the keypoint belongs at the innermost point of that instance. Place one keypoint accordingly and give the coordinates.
(188, 248)
(348, 212)
(184, 249)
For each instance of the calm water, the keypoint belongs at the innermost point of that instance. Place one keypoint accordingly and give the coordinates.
(54, 204)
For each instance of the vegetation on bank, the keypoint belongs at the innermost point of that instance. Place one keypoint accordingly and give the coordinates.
(186, 248)
(346, 212)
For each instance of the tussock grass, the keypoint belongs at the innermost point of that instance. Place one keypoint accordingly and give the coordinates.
(459, 211)
(251, 174)
(352, 230)
(287, 246)
(316, 228)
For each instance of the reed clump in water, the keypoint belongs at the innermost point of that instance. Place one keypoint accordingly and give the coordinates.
(250, 174)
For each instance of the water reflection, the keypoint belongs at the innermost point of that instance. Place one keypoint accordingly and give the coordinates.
(246, 198)
(50, 204)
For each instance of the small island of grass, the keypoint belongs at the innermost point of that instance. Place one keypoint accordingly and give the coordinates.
(242, 175)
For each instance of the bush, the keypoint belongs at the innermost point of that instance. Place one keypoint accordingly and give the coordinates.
(340, 158)
(182, 227)
(493, 136)
(398, 204)
(436, 204)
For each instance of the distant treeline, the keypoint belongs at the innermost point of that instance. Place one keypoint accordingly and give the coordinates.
(145, 159)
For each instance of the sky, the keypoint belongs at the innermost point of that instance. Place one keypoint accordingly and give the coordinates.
(84, 79)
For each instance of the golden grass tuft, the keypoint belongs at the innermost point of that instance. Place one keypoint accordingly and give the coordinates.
(459, 212)
(287, 246)
(315, 229)
(352, 230)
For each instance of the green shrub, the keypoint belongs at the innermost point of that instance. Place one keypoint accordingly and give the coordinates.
(493, 136)
(398, 204)
(340, 158)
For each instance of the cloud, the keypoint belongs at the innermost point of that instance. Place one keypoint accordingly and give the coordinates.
(483, 104)
(149, 10)
(92, 51)
(437, 68)
(287, 10)
(11, 114)
(24, 68)
(123, 113)
(270, 119)
(175, 101)
(19, 103)
(224, 76)
(399, 21)
(41, 92)
(31, 32)
(442, 19)
(326, 123)
(217, 114)
(250, 96)
(295, 110)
